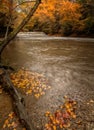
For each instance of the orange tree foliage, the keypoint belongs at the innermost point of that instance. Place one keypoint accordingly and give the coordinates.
(16, 9)
(56, 17)
(9, 36)
(22, 9)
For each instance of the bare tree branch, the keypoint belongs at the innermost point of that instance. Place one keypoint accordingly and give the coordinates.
(23, 3)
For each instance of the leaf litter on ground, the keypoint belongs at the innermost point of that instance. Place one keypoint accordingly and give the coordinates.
(30, 82)
(10, 122)
(62, 117)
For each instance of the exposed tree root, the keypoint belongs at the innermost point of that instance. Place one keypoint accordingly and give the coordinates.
(18, 100)
(6, 67)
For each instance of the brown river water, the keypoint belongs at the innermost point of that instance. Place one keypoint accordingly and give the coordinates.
(69, 65)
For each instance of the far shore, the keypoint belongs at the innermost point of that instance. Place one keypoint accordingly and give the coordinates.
(60, 35)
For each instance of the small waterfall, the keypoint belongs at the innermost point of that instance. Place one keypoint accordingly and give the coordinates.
(43, 36)
(31, 34)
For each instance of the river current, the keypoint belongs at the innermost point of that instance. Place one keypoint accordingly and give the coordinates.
(67, 62)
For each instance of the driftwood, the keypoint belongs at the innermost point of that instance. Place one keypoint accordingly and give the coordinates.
(18, 100)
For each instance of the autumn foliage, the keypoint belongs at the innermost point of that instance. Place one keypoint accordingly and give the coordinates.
(30, 83)
(64, 17)
(62, 117)
(7, 15)
(54, 17)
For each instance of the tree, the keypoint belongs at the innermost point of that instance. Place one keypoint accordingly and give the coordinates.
(5, 80)
(56, 17)
(87, 11)
(12, 34)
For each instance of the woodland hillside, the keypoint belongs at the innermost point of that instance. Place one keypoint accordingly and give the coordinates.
(62, 17)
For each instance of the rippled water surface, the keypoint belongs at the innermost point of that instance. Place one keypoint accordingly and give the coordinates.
(67, 62)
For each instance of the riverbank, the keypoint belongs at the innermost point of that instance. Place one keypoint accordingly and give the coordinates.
(51, 111)
(69, 67)
(60, 35)
(73, 35)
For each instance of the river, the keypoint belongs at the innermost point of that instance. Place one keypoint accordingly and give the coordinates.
(67, 62)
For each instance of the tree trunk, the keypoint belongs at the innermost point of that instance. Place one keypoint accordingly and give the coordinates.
(5, 79)
(6, 41)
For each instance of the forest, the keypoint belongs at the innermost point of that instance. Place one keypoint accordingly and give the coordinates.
(46, 76)
(62, 17)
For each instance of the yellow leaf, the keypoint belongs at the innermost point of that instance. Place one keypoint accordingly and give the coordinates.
(47, 112)
(91, 101)
(11, 115)
(65, 97)
(14, 129)
(54, 127)
(9, 125)
(4, 126)
(24, 128)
